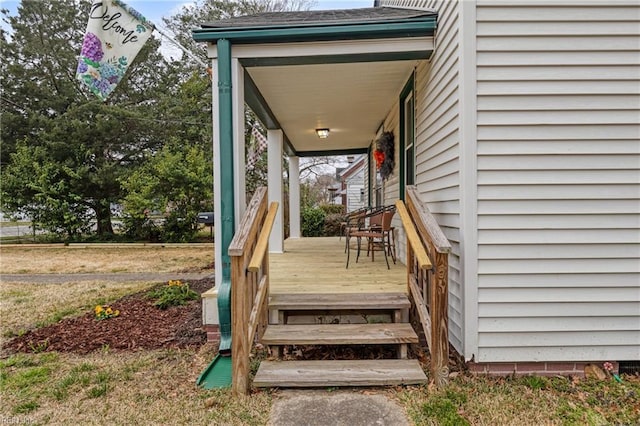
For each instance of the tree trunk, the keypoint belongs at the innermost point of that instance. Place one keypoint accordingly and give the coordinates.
(103, 218)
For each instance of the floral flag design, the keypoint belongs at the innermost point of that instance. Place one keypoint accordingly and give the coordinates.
(115, 34)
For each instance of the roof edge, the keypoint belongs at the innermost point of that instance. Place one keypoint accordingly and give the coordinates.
(318, 32)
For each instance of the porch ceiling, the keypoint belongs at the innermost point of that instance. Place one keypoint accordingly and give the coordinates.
(351, 99)
(340, 69)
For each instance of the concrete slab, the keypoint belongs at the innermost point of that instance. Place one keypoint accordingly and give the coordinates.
(340, 408)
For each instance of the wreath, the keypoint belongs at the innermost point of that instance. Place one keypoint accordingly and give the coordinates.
(384, 155)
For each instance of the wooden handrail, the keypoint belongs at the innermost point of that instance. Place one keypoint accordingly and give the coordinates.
(247, 228)
(263, 238)
(429, 291)
(412, 235)
(427, 224)
(249, 288)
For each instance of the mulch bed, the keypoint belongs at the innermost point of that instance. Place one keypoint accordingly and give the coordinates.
(140, 325)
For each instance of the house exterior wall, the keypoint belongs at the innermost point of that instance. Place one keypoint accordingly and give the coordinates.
(558, 170)
(355, 187)
(541, 198)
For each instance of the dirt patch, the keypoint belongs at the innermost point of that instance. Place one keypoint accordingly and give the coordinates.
(140, 325)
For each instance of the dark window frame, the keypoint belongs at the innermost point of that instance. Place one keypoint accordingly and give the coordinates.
(407, 177)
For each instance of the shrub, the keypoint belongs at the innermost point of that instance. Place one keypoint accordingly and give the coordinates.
(332, 224)
(178, 229)
(173, 294)
(329, 209)
(312, 222)
(140, 227)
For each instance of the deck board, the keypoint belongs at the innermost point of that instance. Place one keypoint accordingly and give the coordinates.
(339, 373)
(339, 334)
(344, 301)
(317, 265)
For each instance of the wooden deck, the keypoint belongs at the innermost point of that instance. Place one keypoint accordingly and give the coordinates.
(317, 265)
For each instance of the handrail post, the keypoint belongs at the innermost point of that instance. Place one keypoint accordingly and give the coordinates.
(240, 347)
(436, 319)
(440, 320)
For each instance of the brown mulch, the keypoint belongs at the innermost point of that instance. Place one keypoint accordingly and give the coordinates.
(140, 325)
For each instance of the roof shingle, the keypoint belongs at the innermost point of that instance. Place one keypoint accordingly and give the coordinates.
(320, 17)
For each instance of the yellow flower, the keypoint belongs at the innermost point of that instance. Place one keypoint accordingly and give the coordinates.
(116, 313)
(109, 311)
(98, 309)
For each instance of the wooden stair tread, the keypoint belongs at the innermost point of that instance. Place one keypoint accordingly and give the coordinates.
(339, 373)
(339, 334)
(344, 301)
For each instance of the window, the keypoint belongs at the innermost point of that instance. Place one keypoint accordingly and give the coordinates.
(407, 137)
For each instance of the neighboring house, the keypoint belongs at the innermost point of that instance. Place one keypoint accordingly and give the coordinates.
(353, 185)
(517, 121)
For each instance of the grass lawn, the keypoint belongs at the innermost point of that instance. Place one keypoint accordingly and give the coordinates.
(69, 260)
(121, 388)
(158, 387)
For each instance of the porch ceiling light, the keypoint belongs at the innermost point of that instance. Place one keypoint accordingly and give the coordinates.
(322, 133)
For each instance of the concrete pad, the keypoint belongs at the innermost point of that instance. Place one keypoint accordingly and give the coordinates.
(343, 408)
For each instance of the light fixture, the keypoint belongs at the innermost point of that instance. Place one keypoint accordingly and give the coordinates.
(322, 133)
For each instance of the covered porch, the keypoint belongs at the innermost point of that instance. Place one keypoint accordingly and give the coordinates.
(302, 72)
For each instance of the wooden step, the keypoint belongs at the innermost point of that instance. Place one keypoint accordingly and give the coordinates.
(339, 334)
(347, 301)
(339, 373)
(281, 305)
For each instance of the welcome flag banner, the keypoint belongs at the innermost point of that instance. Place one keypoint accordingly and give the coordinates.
(115, 34)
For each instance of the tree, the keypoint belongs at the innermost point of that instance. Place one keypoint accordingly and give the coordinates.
(61, 143)
(176, 182)
(40, 190)
(47, 111)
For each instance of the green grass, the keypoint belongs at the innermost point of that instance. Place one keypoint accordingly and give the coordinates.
(444, 408)
(150, 387)
(525, 400)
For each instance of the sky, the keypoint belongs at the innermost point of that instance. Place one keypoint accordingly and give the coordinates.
(154, 10)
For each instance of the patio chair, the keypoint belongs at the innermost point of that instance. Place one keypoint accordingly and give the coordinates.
(376, 236)
(353, 221)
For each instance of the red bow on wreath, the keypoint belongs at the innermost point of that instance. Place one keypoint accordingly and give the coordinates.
(379, 157)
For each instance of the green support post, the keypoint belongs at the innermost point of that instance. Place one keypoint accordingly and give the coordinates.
(225, 119)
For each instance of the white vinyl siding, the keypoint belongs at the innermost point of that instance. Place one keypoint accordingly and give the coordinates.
(558, 180)
(437, 145)
(355, 188)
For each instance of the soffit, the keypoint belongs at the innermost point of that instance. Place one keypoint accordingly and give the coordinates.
(351, 99)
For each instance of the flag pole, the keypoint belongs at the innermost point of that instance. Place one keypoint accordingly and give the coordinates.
(181, 47)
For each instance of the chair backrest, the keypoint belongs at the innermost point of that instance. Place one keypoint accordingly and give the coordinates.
(376, 219)
(387, 217)
(355, 219)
